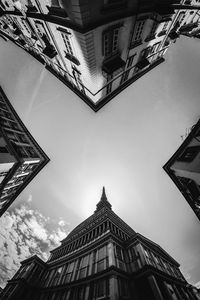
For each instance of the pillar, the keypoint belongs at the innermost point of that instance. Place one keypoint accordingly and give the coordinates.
(155, 288)
(87, 292)
(114, 293)
(167, 291)
(177, 292)
(91, 263)
(111, 257)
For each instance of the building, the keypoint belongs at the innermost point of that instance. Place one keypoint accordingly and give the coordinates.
(102, 258)
(21, 158)
(97, 48)
(184, 168)
(187, 22)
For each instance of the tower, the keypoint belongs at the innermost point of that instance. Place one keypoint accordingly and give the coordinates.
(102, 258)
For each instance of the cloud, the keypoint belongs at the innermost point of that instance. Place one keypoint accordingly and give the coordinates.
(30, 198)
(25, 232)
(197, 285)
(61, 223)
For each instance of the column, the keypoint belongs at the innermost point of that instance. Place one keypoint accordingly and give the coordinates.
(114, 294)
(191, 295)
(142, 259)
(185, 294)
(111, 257)
(177, 292)
(91, 259)
(155, 288)
(74, 272)
(87, 290)
(168, 293)
(104, 227)
(84, 239)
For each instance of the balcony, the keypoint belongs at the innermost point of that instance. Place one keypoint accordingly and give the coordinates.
(187, 28)
(56, 10)
(150, 37)
(113, 64)
(17, 31)
(163, 32)
(49, 51)
(173, 35)
(72, 58)
(30, 7)
(135, 44)
(21, 42)
(143, 64)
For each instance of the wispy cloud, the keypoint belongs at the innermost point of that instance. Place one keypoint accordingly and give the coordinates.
(25, 232)
(197, 285)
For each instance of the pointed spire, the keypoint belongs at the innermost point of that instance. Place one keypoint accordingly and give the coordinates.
(103, 201)
(103, 196)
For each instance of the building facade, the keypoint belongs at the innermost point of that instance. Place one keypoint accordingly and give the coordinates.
(102, 258)
(21, 158)
(184, 169)
(97, 48)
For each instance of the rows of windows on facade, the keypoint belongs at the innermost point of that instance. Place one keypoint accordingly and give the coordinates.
(97, 48)
(102, 258)
(21, 158)
(184, 169)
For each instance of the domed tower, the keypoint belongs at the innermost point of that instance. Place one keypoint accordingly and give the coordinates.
(102, 258)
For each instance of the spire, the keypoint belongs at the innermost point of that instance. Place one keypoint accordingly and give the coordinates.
(103, 201)
(103, 196)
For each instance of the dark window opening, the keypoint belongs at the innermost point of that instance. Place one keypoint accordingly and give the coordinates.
(189, 154)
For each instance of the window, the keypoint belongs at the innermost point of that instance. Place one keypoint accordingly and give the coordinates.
(155, 47)
(67, 43)
(153, 29)
(26, 25)
(57, 275)
(31, 152)
(189, 154)
(120, 257)
(109, 85)
(68, 272)
(124, 76)
(101, 259)
(165, 26)
(181, 17)
(3, 174)
(77, 77)
(137, 35)
(146, 52)
(123, 287)
(84, 266)
(110, 41)
(108, 88)
(101, 289)
(130, 60)
(3, 150)
(40, 28)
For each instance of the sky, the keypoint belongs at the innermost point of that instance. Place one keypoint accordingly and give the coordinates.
(122, 147)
